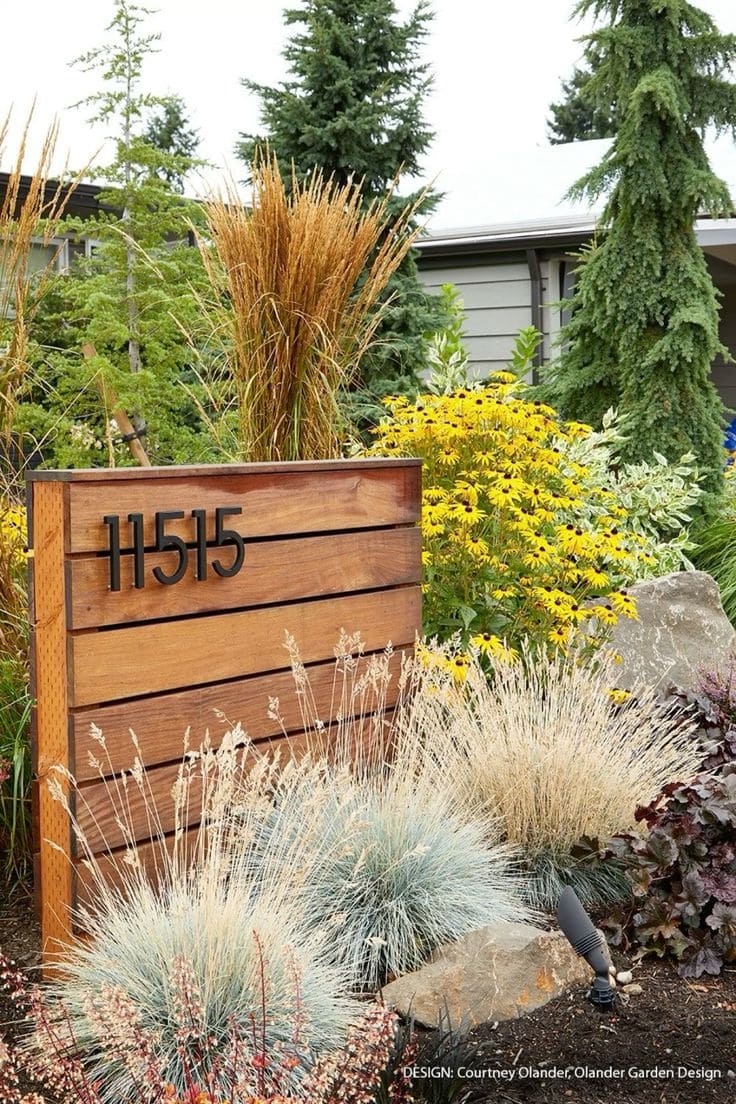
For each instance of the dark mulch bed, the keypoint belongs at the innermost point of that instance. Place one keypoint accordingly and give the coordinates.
(674, 1025)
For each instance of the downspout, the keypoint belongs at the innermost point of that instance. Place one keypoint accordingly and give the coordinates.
(535, 275)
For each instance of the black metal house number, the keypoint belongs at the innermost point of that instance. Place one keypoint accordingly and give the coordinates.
(170, 542)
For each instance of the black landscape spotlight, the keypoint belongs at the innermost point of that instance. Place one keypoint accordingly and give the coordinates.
(589, 943)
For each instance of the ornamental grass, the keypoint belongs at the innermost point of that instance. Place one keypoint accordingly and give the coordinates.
(384, 863)
(238, 1069)
(550, 753)
(254, 968)
(27, 217)
(296, 280)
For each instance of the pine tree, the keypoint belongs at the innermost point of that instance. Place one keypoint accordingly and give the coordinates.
(643, 331)
(132, 296)
(170, 131)
(576, 117)
(353, 108)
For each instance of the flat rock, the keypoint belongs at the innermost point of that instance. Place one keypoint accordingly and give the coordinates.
(681, 629)
(494, 973)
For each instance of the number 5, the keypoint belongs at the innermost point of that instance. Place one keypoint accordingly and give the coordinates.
(228, 536)
(165, 541)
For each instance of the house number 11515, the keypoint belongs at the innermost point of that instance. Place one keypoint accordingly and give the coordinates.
(171, 542)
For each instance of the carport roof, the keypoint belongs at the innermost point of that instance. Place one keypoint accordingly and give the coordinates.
(525, 197)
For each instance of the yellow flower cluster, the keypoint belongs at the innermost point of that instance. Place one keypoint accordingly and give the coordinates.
(12, 534)
(514, 546)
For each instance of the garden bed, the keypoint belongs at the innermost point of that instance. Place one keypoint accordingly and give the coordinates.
(672, 1023)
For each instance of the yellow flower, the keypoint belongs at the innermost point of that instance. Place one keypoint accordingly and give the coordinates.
(623, 603)
(448, 455)
(488, 644)
(594, 576)
(558, 635)
(458, 666)
(465, 512)
(484, 457)
(604, 614)
(618, 696)
(503, 592)
(432, 496)
(477, 547)
(573, 539)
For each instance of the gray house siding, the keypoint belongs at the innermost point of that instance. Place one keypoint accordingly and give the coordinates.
(497, 297)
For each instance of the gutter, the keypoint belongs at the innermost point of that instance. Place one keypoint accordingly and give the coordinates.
(535, 275)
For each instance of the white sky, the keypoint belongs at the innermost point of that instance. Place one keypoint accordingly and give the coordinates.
(497, 65)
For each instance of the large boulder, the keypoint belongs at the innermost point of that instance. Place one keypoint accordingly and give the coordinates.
(495, 973)
(681, 628)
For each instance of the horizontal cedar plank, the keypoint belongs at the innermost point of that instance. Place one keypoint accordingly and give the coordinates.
(97, 814)
(273, 503)
(210, 471)
(168, 655)
(273, 571)
(160, 722)
(116, 873)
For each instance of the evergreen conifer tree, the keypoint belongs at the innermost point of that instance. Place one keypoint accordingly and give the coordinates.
(576, 118)
(132, 295)
(643, 332)
(353, 108)
(170, 131)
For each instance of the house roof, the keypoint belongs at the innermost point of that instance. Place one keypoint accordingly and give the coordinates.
(522, 202)
(81, 200)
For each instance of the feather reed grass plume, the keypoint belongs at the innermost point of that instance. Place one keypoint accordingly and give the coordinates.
(297, 278)
(28, 211)
(545, 752)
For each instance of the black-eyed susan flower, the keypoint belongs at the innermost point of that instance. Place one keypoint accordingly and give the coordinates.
(623, 603)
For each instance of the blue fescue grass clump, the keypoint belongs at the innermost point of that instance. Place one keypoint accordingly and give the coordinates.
(385, 867)
(257, 970)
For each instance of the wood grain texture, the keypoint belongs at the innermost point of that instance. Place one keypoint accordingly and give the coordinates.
(160, 723)
(152, 809)
(273, 571)
(50, 736)
(330, 546)
(114, 871)
(212, 471)
(273, 503)
(144, 659)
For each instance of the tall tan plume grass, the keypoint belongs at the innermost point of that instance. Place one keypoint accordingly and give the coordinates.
(543, 749)
(28, 211)
(296, 279)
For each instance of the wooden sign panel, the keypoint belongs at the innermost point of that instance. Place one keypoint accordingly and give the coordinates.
(161, 595)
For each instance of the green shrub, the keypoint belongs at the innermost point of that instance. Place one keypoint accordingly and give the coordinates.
(525, 517)
(656, 497)
(683, 870)
(15, 769)
(715, 550)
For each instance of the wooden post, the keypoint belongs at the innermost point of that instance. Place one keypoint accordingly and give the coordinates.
(111, 403)
(49, 687)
